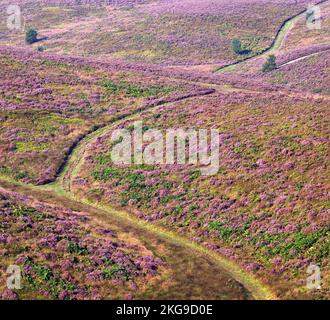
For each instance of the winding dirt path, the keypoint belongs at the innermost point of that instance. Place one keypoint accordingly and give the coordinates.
(208, 271)
(62, 186)
(276, 44)
(302, 58)
(188, 274)
(196, 271)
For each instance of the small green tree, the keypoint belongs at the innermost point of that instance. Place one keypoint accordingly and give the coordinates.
(31, 36)
(236, 46)
(270, 64)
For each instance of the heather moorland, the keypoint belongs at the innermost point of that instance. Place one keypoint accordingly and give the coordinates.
(80, 226)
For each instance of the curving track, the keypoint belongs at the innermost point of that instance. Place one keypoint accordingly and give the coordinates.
(277, 43)
(209, 276)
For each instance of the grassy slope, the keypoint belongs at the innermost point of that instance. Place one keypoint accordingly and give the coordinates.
(281, 130)
(271, 209)
(295, 40)
(178, 253)
(142, 33)
(44, 115)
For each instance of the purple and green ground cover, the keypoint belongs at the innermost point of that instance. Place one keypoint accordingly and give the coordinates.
(267, 209)
(67, 255)
(268, 205)
(46, 106)
(163, 32)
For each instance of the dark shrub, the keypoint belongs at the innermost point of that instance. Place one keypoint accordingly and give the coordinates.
(237, 46)
(270, 64)
(31, 36)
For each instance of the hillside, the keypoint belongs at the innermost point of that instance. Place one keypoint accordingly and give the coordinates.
(81, 226)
